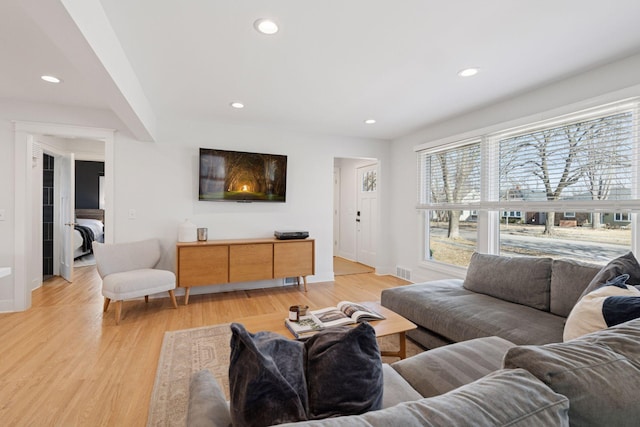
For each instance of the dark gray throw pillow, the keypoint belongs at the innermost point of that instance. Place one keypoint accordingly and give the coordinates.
(344, 372)
(625, 264)
(267, 381)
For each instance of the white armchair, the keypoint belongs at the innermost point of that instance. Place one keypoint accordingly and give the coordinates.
(127, 271)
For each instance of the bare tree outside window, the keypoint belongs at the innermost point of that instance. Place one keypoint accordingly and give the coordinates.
(455, 180)
(575, 161)
(561, 189)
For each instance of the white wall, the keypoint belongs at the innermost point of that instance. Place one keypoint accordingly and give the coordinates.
(29, 112)
(615, 81)
(160, 182)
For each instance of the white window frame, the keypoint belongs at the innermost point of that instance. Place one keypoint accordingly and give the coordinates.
(489, 211)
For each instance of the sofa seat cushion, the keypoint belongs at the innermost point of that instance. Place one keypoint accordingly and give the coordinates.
(132, 284)
(443, 369)
(523, 280)
(448, 309)
(504, 398)
(396, 388)
(599, 373)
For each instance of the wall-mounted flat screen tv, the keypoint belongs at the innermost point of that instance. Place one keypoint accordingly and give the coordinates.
(238, 176)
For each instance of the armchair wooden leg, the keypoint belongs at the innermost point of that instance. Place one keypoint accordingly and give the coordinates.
(172, 295)
(118, 311)
(146, 299)
(106, 304)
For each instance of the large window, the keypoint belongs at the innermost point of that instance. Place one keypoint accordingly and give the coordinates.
(561, 188)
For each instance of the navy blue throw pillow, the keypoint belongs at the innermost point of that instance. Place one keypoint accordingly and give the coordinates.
(344, 372)
(267, 381)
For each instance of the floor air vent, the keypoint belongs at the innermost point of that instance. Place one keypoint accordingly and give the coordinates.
(403, 273)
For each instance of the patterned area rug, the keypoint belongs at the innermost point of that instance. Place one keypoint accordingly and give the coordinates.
(190, 350)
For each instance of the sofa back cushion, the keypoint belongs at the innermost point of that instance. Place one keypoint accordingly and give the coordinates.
(503, 398)
(523, 280)
(599, 373)
(568, 280)
(450, 366)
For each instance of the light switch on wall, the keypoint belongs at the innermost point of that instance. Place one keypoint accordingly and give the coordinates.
(132, 214)
(2, 214)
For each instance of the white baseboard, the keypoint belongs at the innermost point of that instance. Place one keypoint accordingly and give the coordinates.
(7, 306)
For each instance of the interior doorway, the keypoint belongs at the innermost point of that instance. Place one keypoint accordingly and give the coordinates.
(29, 140)
(71, 168)
(356, 215)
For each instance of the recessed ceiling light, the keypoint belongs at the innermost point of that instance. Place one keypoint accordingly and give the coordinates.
(370, 121)
(50, 79)
(266, 26)
(468, 72)
(237, 105)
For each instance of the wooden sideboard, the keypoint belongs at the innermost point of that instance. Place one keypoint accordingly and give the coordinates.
(216, 262)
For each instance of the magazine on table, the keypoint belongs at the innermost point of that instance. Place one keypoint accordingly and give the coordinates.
(305, 327)
(345, 313)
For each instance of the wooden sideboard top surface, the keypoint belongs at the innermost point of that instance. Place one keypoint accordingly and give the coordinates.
(241, 241)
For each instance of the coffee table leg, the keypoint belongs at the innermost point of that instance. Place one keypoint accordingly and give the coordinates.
(403, 345)
(402, 351)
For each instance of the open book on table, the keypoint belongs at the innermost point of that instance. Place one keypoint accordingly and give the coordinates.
(344, 313)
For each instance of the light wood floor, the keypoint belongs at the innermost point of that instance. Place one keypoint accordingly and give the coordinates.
(62, 363)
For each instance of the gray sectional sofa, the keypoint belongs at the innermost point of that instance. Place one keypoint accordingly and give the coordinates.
(590, 381)
(506, 363)
(525, 300)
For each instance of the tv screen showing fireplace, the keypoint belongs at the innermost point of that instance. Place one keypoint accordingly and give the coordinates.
(237, 176)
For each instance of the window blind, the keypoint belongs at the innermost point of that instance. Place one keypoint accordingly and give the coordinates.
(450, 178)
(585, 162)
(585, 165)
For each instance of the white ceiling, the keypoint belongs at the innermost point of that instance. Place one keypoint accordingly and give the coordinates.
(333, 64)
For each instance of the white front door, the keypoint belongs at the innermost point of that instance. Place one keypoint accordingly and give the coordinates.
(66, 209)
(367, 215)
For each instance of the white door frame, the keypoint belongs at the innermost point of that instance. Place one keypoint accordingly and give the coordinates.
(336, 211)
(24, 256)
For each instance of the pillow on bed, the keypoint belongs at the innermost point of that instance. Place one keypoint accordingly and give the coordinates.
(613, 303)
(93, 223)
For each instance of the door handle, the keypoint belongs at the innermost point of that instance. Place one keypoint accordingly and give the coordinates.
(70, 224)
